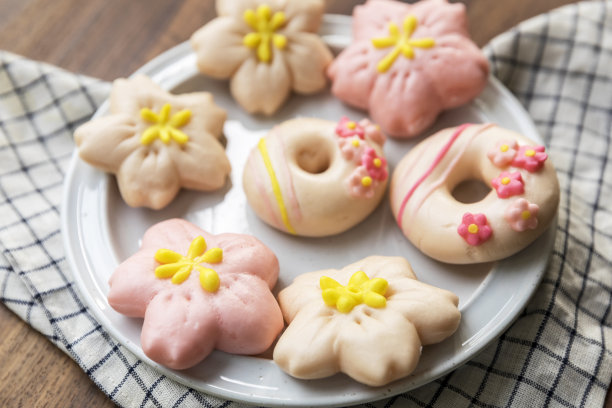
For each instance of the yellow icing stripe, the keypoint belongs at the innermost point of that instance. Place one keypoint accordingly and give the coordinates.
(275, 186)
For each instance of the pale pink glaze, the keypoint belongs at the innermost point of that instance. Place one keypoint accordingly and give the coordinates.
(408, 97)
(183, 323)
(433, 165)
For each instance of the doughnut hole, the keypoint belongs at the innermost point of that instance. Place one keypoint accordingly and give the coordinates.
(314, 157)
(470, 191)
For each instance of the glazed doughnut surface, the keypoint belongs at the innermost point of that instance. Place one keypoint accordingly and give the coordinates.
(521, 202)
(314, 177)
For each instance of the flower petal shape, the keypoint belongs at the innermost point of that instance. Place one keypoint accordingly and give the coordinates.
(266, 49)
(182, 322)
(156, 142)
(373, 345)
(407, 63)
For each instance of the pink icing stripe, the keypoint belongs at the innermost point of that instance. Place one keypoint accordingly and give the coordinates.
(436, 161)
(449, 168)
(291, 196)
(262, 191)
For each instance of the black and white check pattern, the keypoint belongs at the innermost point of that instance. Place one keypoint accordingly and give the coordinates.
(558, 352)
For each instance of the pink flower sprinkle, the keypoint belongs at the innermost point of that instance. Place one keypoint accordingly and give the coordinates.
(508, 184)
(373, 132)
(351, 148)
(530, 158)
(374, 164)
(360, 184)
(349, 128)
(522, 215)
(474, 229)
(503, 153)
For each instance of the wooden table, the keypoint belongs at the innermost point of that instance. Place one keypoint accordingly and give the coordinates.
(109, 39)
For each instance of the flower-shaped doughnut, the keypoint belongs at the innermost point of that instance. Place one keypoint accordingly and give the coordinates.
(368, 320)
(198, 292)
(156, 142)
(267, 48)
(408, 62)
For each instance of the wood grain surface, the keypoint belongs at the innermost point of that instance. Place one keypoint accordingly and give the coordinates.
(109, 39)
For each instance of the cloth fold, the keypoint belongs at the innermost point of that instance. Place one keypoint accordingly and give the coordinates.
(557, 353)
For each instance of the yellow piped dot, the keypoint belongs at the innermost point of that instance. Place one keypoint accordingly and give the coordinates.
(530, 153)
(366, 181)
(351, 125)
(526, 214)
(473, 229)
(355, 143)
(504, 148)
(377, 162)
(505, 180)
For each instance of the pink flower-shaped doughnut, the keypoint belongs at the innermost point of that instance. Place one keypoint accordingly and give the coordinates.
(156, 142)
(407, 63)
(312, 177)
(430, 204)
(267, 48)
(367, 320)
(198, 292)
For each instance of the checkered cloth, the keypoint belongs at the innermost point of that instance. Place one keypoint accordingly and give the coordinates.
(557, 353)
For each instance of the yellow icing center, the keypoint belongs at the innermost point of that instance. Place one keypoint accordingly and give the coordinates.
(504, 148)
(164, 126)
(526, 214)
(473, 229)
(366, 181)
(377, 162)
(351, 125)
(505, 180)
(401, 42)
(356, 142)
(179, 267)
(264, 25)
(360, 289)
(530, 153)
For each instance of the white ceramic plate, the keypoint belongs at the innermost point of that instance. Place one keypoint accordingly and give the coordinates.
(100, 231)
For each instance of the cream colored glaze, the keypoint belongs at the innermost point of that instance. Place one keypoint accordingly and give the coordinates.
(322, 206)
(431, 215)
(372, 345)
(183, 323)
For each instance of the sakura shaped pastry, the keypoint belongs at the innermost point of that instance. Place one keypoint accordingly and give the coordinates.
(156, 142)
(407, 63)
(198, 292)
(266, 48)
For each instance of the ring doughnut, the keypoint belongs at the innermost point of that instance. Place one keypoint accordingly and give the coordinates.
(314, 177)
(521, 202)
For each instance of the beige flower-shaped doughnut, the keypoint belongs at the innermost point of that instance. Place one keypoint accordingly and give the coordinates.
(367, 320)
(267, 48)
(156, 142)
